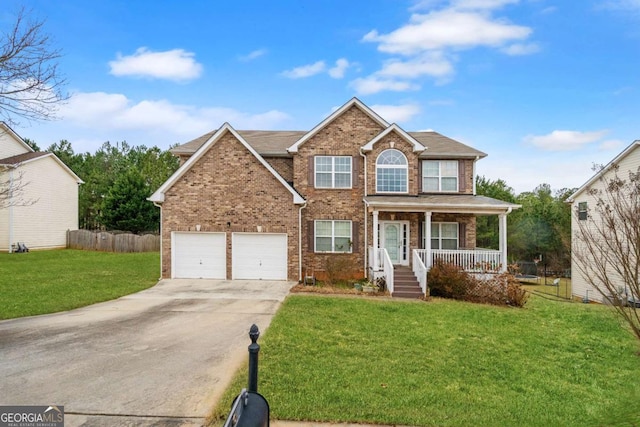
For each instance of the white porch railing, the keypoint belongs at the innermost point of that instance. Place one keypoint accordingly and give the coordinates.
(385, 267)
(471, 260)
(420, 270)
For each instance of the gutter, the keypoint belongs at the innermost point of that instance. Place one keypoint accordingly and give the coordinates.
(304, 205)
(160, 206)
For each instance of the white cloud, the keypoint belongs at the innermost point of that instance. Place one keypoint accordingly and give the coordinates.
(447, 28)
(110, 111)
(611, 145)
(338, 71)
(397, 113)
(431, 63)
(517, 49)
(305, 70)
(176, 64)
(564, 140)
(253, 55)
(374, 84)
(481, 4)
(621, 5)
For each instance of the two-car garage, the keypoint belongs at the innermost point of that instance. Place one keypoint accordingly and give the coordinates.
(254, 256)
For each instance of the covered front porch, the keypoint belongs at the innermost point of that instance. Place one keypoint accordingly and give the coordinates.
(414, 232)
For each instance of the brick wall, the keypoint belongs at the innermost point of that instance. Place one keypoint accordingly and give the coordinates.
(229, 190)
(342, 137)
(282, 165)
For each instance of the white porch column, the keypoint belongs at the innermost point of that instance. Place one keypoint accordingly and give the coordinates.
(502, 233)
(376, 261)
(427, 237)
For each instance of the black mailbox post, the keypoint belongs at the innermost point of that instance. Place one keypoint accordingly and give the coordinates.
(250, 409)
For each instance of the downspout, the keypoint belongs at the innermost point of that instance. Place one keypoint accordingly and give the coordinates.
(11, 207)
(366, 229)
(160, 207)
(304, 205)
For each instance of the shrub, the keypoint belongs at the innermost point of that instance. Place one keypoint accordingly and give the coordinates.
(448, 281)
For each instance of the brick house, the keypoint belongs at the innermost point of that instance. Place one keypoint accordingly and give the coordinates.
(279, 204)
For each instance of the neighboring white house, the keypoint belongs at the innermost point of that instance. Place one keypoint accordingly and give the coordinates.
(582, 204)
(49, 188)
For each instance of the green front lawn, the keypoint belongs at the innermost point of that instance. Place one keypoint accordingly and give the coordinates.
(49, 281)
(447, 363)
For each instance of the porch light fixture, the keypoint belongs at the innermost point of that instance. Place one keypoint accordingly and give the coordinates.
(198, 227)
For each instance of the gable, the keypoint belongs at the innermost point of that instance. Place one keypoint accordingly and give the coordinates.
(226, 138)
(10, 143)
(398, 132)
(354, 102)
(628, 159)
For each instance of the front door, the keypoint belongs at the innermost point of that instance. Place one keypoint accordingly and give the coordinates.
(394, 237)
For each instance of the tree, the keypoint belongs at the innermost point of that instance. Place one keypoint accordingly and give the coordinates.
(607, 243)
(30, 82)
(126, 207)
(12, 185)
(487, 225)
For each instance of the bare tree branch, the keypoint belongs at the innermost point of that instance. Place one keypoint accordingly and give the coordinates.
(12, 186)
(607, 249)
(30, 82)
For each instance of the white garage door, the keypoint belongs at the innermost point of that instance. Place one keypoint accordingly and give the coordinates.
(199, 255)
(259, 256)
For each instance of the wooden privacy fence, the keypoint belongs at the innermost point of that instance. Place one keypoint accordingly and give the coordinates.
(111, 242)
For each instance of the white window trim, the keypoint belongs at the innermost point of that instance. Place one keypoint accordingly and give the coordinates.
(584, 211)
(333, 236)
(440, 176)
(405, 167)
(332, 172)
(439, 224)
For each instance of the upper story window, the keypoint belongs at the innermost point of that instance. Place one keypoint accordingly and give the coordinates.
(440, 176)
(391, 172)
(332, 236)
(582, 211)
(333, 171)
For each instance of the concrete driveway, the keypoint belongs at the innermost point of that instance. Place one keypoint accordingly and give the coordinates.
(160, 357)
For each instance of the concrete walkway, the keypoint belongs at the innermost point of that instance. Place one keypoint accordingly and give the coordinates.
(160, 357)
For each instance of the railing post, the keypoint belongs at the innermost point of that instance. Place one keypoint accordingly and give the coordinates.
(254, 349)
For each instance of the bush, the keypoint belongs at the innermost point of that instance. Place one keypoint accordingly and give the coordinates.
(450, 281)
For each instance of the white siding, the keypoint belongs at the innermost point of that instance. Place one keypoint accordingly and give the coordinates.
(579, 285)
(9, 146)
(44, 224)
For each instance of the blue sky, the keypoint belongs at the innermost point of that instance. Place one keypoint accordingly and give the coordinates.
(545, 87)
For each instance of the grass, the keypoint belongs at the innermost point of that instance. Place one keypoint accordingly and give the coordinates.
(42, 282)
(446, 363)
(563, 290)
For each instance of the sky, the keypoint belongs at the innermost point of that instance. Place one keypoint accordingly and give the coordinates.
(547, 88)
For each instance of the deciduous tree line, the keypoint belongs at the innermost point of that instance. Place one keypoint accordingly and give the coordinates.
(541, 227)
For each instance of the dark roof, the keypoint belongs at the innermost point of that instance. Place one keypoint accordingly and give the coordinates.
(275, 143)
(13, 160)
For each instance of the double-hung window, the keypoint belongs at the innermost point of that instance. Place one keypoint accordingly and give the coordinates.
(582, 211)
(332, 236)
(391, 172)
(444, 235)
(440, 176)
(333, 171)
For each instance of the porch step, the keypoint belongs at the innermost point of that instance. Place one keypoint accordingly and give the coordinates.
(405, 284)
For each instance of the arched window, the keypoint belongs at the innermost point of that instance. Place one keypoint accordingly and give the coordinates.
(391, 172)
